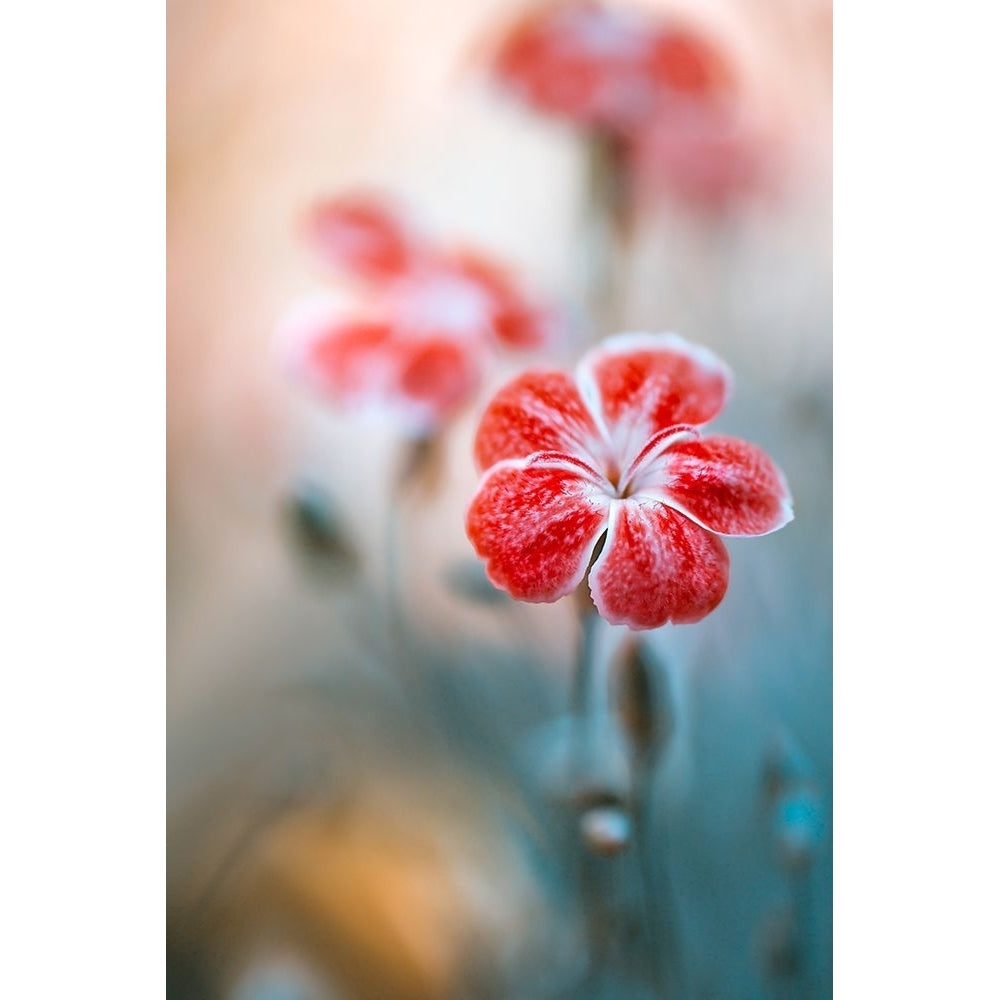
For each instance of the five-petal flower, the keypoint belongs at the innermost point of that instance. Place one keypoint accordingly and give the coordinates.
(663, 91)
(616, 453)
(608, 68)
(416, 344)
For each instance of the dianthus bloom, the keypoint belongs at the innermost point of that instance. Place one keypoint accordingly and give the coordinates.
(663, 91)
(416, 342)
(606, 68)
(618, 450)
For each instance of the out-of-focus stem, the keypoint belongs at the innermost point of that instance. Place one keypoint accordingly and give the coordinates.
(589, 705)
(418, 468)
(620, 706)
(609, 225)
(392, 568)
(602, 815)
(646, 708)
(659, 906)
(588, 774)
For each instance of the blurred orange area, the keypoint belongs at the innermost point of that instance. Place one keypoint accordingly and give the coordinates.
(385, 895)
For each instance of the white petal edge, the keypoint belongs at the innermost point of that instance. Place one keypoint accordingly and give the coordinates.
(626, 343)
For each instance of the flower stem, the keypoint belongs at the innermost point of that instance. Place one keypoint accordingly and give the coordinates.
(609, 225)
(600, 804)
(417, 470)
(621, 704)
(660, 919)
(589, 701)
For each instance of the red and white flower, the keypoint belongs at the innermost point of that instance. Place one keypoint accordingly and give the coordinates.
(414, 345)
(665, 92)
(580, 61)
(617, 451)
(608, 68)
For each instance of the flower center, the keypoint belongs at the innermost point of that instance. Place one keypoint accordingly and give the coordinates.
(443, 304)
(598, 33)
(621, 487)
(612, 473)
(624, 484)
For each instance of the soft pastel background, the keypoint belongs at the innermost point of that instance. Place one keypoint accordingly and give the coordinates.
(334, 829)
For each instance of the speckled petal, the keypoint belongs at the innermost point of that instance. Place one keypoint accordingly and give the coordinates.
(657, 566)
(727, 485)
(537, 411)
(535, 523)
(637, 384)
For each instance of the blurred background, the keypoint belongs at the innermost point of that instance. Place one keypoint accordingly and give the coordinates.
(364, 746)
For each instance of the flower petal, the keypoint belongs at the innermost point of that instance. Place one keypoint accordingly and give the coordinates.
(536, 523)
(369, 364)
(440, 373)
(725, 484)
(637, 384)
(657, 566)
(363, 236)
(515, 321)
(686, 63)
(580, 61)
(350, 358)
(537, 411)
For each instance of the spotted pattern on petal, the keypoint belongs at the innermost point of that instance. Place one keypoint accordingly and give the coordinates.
(657, 566)
(536, 524)
(730, 486)
(537, 411)
(641, 383)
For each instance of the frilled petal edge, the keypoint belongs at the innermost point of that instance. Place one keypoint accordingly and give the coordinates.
(536, 523)
(657, 566)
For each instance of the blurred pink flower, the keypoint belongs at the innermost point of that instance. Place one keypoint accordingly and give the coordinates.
(608, 68)
(664, 92)
(416, 344)
(617, 450)
(580, 61)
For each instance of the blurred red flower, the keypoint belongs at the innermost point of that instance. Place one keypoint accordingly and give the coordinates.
(416, 345)
(664, 92)
(617, 450)
(607, 67)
